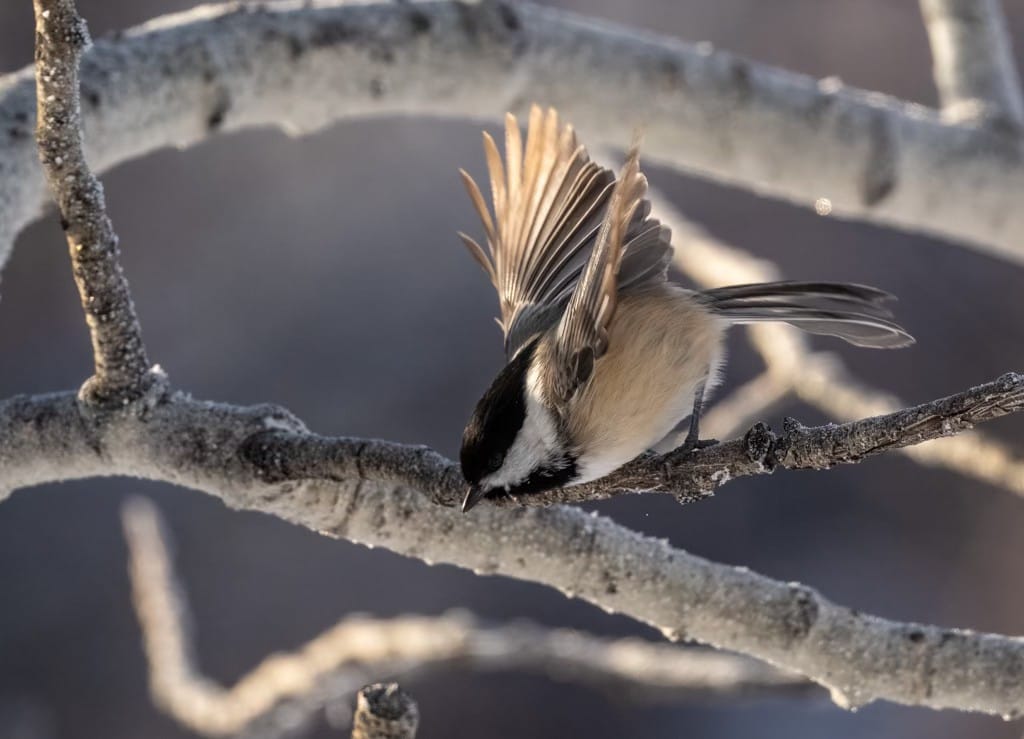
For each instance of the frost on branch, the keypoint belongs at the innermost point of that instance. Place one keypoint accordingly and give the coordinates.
(120, 357)
(303, 66)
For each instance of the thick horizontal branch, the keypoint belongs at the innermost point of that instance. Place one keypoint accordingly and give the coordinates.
(302, 66)
(383, 495)
(357, 649)
(973, 62)
(120, 357)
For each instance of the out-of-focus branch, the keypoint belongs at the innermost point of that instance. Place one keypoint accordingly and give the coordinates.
(359, 648)
(304, 65)
(973, 63)
(818, 378)
(385, 711)
(120, 357)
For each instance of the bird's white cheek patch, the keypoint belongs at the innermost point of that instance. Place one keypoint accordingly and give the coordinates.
(534, 446)
(539, 433)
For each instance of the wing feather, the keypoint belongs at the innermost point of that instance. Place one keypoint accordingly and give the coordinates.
(514, 178)
(582, 336)
(477, 252)
(496, 171)
(549, 202)
(478, 204)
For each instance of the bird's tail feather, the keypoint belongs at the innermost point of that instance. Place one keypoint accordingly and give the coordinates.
(855, 313)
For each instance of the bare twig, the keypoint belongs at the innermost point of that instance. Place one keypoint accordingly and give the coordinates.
(385, 711)
(302, 66)
(282, 456)
(821, 379)
(358, 648)
(973, 62)
(120, 357)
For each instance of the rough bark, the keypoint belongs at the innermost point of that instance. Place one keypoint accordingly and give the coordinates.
(301, 66)
(382, 494)
(385, 711)
(121, 363)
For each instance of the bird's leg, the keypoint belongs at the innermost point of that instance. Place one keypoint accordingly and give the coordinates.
(692, 440)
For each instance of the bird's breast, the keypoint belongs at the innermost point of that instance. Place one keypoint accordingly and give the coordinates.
(662, 345)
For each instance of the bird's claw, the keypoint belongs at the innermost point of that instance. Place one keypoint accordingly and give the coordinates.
(691, 445)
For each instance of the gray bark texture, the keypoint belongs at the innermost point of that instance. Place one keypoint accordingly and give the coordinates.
(121, 363)
(304, 65)
(385, 711)
(402, 498)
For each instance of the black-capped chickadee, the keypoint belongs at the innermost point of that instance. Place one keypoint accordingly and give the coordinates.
(605, 356)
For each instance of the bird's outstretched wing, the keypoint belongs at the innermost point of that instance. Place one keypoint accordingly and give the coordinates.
(582, 335)
(549, 204)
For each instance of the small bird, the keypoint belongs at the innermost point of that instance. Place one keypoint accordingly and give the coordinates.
(605, 356)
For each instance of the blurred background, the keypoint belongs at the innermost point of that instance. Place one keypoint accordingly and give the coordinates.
(293, 270)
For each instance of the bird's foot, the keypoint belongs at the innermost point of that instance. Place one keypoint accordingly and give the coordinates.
(693, 444)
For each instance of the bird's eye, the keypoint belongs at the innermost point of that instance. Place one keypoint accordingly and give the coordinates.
(495, 461)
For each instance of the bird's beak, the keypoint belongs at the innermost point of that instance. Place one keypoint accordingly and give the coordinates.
(473, 496)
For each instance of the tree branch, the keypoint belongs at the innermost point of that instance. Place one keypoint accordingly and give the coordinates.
(177, 80)
(119, 355)
(383, 494)
(973, 62)
(287, 456)
(385, 711)
(818, 378)
(358, 649)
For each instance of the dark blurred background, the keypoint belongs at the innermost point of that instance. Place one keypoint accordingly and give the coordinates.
(293, 270)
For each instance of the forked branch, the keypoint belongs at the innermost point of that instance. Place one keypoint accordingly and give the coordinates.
(119, 355)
